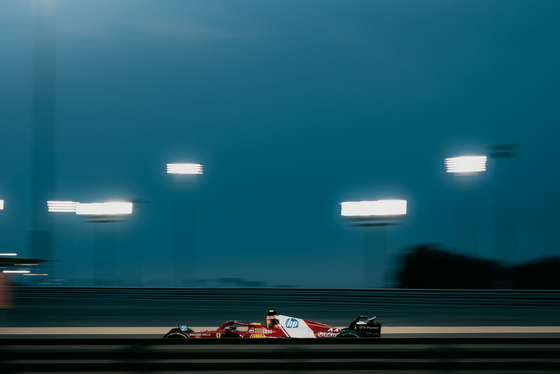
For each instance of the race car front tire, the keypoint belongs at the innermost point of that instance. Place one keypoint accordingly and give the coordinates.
(176, 334)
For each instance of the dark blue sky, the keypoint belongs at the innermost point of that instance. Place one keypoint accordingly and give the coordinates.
(292, 107)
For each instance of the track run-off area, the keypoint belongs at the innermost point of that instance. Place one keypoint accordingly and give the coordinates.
(400, 355)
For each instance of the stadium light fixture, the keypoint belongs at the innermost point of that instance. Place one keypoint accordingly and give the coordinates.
(16, 271)
(184, 168)
(116, 208)
(466, 164)
(62, 206)
(376, 208)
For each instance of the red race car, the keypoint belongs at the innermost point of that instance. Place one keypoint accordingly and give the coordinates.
(280, 326)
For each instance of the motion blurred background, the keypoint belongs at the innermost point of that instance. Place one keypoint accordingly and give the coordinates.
(291, 107)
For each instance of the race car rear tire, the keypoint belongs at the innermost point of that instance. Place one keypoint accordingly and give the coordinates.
(348, 334)
(176, 334)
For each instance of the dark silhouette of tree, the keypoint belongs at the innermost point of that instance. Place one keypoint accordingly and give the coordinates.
(428, 267)
(541, 274)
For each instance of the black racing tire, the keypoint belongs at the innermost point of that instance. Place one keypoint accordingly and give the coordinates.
(348, 334)
(176, 334)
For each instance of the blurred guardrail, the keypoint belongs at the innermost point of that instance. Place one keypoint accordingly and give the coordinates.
(279, 355)
(276, 296)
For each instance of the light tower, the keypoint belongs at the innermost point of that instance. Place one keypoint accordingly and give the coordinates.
(184, 223)
(43, 127)
(465, 170)
(105, 217)
(374, 217)
(506, 210)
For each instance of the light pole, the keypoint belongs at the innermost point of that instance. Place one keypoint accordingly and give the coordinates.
(505, 203)
(465, 170)
(184, 222)
(43, 127)
(105, 216)
(375, 217)
(68, 264)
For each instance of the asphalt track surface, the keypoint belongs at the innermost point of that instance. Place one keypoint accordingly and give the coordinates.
(417, 355)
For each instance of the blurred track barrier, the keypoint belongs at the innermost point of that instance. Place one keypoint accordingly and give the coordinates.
(145, 307)
(267, 296)
(280, 355)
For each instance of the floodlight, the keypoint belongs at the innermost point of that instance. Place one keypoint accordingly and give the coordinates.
(184, 168)
(8, 254)
(377, 208)
(104, 209)
(16, 271)
(62, 206)
(1, 204)
(466, 164)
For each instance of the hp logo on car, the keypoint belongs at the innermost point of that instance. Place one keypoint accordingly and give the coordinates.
(292, 323)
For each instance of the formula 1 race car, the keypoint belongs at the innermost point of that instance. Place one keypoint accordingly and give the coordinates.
(280, 326)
